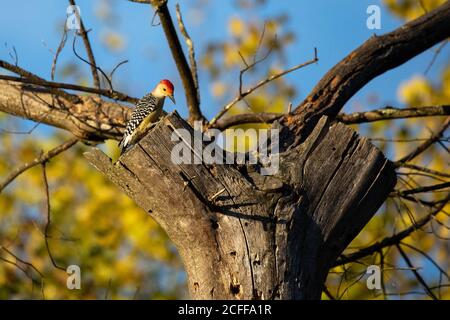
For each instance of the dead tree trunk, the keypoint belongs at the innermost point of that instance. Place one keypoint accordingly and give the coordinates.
(263, 237)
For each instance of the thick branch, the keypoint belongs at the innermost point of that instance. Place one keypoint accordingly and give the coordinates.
(180, 60)
(116, 95)
(376, 56)
(387, 113)
(390, 113)
(91, 119)
(26, 74)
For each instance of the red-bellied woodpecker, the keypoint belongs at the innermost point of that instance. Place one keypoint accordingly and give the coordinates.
(147, 111)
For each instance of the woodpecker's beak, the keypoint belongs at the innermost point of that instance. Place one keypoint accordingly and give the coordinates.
(173, 99)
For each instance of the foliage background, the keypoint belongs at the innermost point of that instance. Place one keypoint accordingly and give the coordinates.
(121, 251)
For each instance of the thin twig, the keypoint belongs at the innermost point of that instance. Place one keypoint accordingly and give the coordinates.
(115, 69)
(15, 264)
(416, 273)
(427, 256)
(423, 202)
(29, 264)
(61, 45)
(242, 95)
(41, 159)
(246, 118)
(190, 45)
(383, 286)
(445, 139)
(92, 66)
(47, 209)
(436, 54)
(424, 146)
(391, 240)
(88, 47)
(427, 170)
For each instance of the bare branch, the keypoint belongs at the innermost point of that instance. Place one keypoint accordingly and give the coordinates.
(190, 45)
(116, 95)
(436, 53)
(383, 287)
(242, 95)
(425, 145)
(245, 118)
(92, 66)
(35, 78)
(39, 160)
(28, 264)
(61, 45)
(115, 69)
(88, 47)
(179, 58)
(408, 140)
(92, 119)
(423, 169)
(428, 257)
(416, 273)
(391, 240)
(47, 209)
(373, 58)
(421, 201)
(421, 189)
(389, 113)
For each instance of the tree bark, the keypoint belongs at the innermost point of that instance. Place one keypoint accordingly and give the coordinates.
(242, 235)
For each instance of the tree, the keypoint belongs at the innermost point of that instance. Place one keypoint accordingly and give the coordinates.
(242, 235)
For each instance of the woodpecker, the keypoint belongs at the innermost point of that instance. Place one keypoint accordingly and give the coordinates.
(147, 111)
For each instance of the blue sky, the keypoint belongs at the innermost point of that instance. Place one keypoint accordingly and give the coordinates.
(335, 27)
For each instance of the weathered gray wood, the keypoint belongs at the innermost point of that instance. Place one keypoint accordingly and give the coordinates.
(262, 237)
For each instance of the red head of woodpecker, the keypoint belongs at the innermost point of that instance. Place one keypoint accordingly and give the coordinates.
(164, 89)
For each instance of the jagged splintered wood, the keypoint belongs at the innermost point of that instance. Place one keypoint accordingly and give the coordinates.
(262, 237)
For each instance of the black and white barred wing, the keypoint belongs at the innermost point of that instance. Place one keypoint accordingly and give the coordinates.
(144, 107)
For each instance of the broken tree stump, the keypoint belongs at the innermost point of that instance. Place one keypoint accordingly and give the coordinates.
(242, 235)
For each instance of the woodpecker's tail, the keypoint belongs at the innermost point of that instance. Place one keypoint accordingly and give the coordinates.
(123, 145)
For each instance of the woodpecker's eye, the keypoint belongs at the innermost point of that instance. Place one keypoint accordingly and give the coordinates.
(164, 89)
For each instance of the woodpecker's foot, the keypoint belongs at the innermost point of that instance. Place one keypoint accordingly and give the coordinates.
(151, 126)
